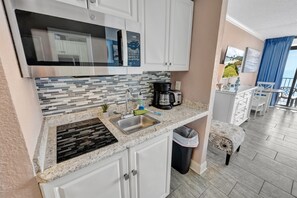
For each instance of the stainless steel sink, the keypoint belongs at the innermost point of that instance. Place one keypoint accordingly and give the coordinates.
(134, 124)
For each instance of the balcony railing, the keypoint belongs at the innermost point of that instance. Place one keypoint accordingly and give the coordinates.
(286, 86)
(286, 82)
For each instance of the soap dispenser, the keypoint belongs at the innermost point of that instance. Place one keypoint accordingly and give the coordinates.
(140, 101)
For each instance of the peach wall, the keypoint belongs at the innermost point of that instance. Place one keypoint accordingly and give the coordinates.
(16, 175)
(236, 37)
(198, 84)
(22, 90)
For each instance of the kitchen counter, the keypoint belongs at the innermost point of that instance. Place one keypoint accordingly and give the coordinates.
(45, 157)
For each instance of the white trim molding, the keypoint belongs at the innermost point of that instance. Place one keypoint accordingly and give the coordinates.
(243, 27)
(198, 168)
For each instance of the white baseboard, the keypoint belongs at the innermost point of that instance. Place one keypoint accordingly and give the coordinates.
(198, 168)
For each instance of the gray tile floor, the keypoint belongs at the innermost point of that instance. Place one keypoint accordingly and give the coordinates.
(266, 165)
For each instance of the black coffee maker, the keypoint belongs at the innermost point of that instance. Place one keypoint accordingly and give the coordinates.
(163, 98)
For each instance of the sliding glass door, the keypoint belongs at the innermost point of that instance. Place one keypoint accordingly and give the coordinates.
(288, 97)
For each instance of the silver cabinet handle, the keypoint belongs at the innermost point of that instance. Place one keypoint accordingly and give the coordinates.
(126, 176)
(93, 1)
(134, 172)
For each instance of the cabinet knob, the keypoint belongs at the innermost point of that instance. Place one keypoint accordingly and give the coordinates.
(134, 172)
(165, 63)
(92, 16)
(169, 63)
(92, 1)
(126, 176)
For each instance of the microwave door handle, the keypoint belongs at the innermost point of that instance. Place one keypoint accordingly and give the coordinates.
(125, 47)
(120, 41)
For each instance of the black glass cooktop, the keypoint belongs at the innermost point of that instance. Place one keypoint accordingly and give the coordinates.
(82, 137)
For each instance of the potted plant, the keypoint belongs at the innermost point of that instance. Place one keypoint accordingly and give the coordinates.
(104, 109)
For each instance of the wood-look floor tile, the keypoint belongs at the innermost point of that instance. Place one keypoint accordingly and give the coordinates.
(284, 159)
(271, 146)
(241, 191)
(223, 183)
(290, 139)
(175, 180)
(182, 191)
(271, 191)
(247, 152)
(294, 189)
(240, 175)
(262, 134)
(197, 183)
(259, 148)
(265, 173)
(276, 166)
(283, 143)
(213, 192)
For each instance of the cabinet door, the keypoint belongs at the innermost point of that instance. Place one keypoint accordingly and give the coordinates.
(79, 3)
(155, 26)
(152, 161)
(104, 179)
(121, 8)
(180, 34)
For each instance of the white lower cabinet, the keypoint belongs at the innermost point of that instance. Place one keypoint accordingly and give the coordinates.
(104, 179)
(152, 161)
(142, 171)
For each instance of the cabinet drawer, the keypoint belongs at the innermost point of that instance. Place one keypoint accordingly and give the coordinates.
(239, 96)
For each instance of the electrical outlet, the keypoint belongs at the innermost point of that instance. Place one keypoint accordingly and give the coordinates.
(177, 85)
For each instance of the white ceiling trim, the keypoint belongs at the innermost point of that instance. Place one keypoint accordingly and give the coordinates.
(243, 27)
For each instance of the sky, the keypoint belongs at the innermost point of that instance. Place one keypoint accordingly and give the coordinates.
(291, 65)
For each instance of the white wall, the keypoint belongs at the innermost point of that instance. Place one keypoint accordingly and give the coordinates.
(22, 90)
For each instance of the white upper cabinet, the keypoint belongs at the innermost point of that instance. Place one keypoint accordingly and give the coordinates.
(79, 3)
(122, 8)
(166, 28)
(153, 15)
(180, 34)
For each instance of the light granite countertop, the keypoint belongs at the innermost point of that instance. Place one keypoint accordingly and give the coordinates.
(45, 163)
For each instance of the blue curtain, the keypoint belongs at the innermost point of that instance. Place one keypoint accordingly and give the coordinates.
(273, 61)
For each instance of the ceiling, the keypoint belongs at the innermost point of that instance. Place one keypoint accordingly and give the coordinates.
(264, 18)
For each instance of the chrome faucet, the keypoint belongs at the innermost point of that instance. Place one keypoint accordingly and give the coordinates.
(128, 97)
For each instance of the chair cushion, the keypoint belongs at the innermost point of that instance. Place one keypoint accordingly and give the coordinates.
(225, 136)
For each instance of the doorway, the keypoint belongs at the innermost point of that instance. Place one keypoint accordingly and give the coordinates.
(288, 98)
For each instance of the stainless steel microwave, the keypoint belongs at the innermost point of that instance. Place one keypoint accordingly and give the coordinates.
(57, 40)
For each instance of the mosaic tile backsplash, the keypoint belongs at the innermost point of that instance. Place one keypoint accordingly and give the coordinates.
(71, 94)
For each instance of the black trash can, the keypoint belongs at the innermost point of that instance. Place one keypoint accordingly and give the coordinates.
(185, 140)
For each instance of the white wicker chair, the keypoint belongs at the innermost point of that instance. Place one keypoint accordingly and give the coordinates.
(259, 101)
(267, 92)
